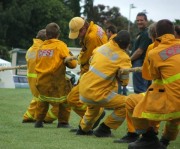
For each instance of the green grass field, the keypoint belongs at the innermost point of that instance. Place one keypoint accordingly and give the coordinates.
(16, 135)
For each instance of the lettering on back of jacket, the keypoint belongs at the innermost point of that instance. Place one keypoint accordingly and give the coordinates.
(171, 51)
(45, 53)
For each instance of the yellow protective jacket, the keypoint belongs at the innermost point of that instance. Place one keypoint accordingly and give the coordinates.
(51, 82)
(162, 100)
(99, 81)
(145, 67)
(95, 37)
(31, 63)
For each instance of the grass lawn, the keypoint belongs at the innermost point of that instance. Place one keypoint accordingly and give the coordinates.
(16, 135)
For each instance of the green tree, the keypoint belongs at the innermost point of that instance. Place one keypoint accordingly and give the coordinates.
(74, 6)
(21, 20)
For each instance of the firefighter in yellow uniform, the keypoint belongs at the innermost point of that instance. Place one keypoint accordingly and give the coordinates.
(30, 58)
(96, 86)
(133, 99)
(29, 115)
(161, 102)
(51, 82)
(90, 36)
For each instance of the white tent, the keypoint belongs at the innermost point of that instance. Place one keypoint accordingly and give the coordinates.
(6, 77)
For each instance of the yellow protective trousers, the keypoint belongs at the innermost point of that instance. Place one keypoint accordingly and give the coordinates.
(30, 113)
(62, 108)
(52, 113)
(131, 101)
(75, 103)
(171, 128)
(114, 120)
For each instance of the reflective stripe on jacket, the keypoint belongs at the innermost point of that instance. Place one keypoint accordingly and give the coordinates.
(162, 100)
(95, 37)
(96, 85)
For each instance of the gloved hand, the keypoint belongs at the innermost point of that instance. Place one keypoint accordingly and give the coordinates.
(69, 58)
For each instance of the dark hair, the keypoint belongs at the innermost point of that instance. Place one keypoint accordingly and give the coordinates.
(41, 34)
(112, 29)
(177, 29)
(142, 14)
(164, 27)
(122, 39)
(52, 30)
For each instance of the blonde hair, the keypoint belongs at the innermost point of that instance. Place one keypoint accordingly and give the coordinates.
(152, 30)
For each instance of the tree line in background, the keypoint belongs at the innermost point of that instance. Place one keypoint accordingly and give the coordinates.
(22, 19)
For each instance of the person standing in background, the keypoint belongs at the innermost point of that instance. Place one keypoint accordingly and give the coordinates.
(111, 31)
(140, 46)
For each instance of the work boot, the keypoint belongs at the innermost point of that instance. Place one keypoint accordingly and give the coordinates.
(95, 124)
(103, 131)
(38, 124)
(128, 138)
(48, 122)
(99, 119)
(63, 125)
(28, 121)
(81, 132)
(149, 140)
(164, 142)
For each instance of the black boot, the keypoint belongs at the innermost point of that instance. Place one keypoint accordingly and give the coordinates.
(81, 132)
(63, 125)
(164, 142)
(28, 121)
(38, 124)
(99, 119)
(149, 140)
(128, 138)
(48, 122)
(95, 124)
(103, 131)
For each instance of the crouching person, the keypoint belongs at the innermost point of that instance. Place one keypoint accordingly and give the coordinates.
(97, 86)
(161, 101)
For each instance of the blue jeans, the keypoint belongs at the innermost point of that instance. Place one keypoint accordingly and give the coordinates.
(140, 85)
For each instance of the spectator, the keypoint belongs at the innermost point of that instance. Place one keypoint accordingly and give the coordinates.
(140, 46)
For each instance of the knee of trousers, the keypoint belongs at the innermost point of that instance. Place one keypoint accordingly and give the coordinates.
(130, 104)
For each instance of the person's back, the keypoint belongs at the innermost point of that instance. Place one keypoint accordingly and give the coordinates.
(31, 60)
(107, 57)
(100, 81)
(29, 115)
(161, 102)
(50, 67)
